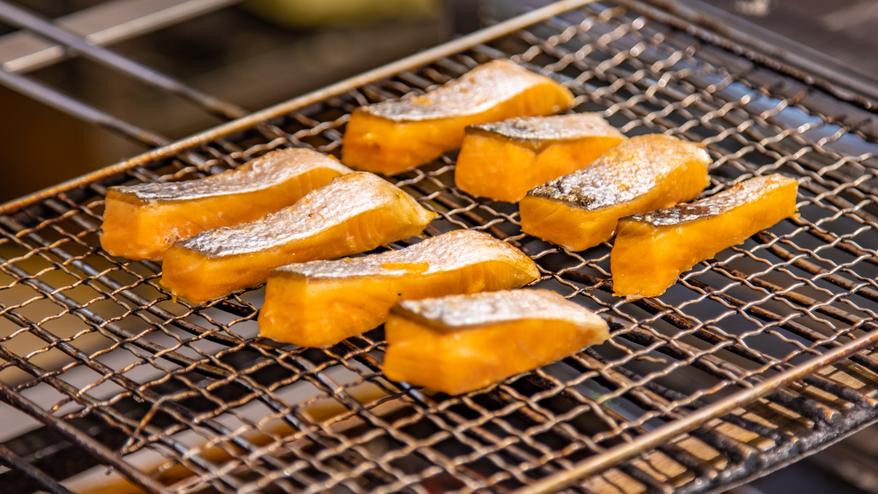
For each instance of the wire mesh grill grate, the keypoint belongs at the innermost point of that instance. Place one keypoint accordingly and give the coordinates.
(191, 396)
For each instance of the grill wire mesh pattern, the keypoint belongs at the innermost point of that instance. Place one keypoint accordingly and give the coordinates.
(191, 397)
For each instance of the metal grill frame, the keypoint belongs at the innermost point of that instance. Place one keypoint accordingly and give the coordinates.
(54, 234)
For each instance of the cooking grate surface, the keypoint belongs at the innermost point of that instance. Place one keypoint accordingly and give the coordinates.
(191, 399)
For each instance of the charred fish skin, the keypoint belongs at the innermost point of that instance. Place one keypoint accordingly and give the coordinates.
(143, 221)
(461, 343)
(395, 136)
(653, 249)
(541, 131)
(464, 312)
(320, 303)
(581, 209)
(355, 213)
(504, 160)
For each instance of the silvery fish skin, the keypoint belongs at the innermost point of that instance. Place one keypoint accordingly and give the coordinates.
(461, 312)
(261, 173)
(622, 174)
(550, 128)
(446, 252)
(346, 197)
(742, 193)
(480, 89)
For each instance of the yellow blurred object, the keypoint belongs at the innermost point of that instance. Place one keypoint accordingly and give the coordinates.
(312, 13)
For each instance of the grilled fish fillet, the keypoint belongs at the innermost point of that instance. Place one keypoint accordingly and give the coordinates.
(323, 302)
(504, 160)
(652, 249)
(580, 210)
(394, 136)
(460, 343)
(143, 221)
(355, 213)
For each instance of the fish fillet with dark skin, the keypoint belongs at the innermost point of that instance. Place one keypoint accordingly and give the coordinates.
(652, 249)
(356, 213)
(394, 136)
(504, 160)
(143, 221)
(460, 343)
(581, 209)
(323, 302)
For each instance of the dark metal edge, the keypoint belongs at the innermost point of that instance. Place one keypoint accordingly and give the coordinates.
(764, 47)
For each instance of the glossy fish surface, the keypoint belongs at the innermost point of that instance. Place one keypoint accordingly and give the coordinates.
(460, 343)
(143, 221)
(504, 160)
(394, 136)
(323, 302)
(355, 213)
(581, 209)
(652, 249)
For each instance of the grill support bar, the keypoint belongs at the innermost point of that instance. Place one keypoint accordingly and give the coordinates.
(764, 46)
(103, 24)
(12, 460)
(24, 19)
(75, 436)
(665, 433)
(62, 102)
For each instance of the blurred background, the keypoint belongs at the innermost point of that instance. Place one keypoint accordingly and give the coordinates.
(257, 53)
(254, 54)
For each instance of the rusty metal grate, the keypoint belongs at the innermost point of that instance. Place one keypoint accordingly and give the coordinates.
(187, 399)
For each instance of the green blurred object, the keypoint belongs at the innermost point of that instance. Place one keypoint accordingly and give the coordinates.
(316, 13)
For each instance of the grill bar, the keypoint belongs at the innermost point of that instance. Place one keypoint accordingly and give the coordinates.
(50, 97)
(619, 454)
(102, 24)
(21, 18)
(47, 483)
(734, 32)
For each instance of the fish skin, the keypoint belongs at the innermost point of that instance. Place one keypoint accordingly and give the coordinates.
(624, 173)
(541, 130)
(745, 192)
(480, 89)
(320, 303)
(259, 174)
(395, 136)
(582, 209)
(462, 343)
(355, 213)
(343, 199)
(653, 249)
(504, 160)
(465, 312)
(449, 251)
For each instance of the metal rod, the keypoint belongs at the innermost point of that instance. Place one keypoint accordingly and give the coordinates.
(103, 24)
(47, 483)
(104, 454)
(27, 20)
(730, 31)
(109, 414)
(669, 431)
(71, 106)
